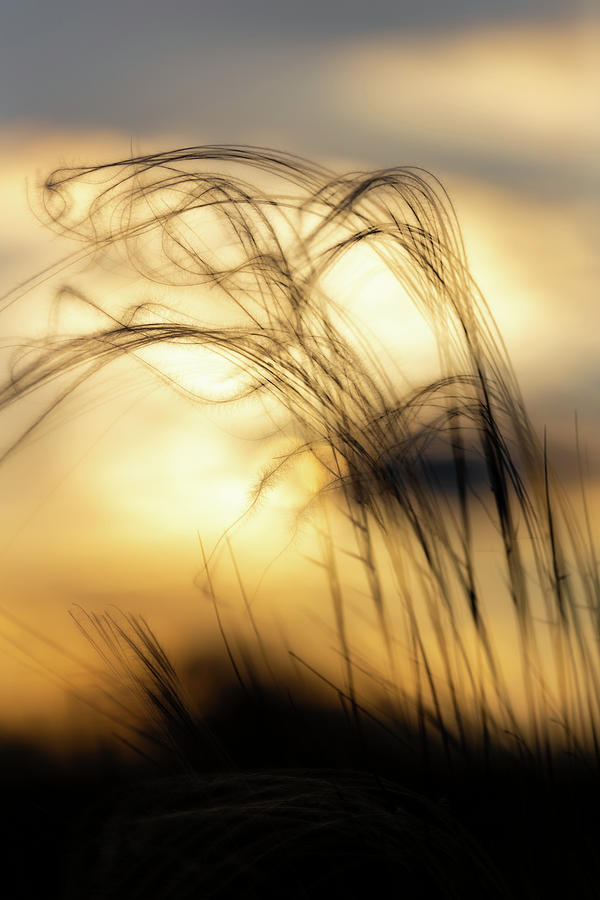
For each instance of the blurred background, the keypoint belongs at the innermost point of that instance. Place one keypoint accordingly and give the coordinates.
(498, 98)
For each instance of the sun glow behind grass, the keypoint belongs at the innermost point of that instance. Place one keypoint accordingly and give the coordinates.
(142, 483)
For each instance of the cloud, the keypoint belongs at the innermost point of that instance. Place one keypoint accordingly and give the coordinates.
(514, 102)
(524, 93)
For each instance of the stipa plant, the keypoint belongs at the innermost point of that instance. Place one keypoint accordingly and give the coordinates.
(410, 469)
(303, 833)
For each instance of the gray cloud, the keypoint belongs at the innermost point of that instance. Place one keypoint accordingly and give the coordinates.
(101, 64)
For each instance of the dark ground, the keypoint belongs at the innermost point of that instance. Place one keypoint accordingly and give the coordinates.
(278, 799)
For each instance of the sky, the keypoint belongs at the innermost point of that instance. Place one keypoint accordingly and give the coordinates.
(305, 74)
(499, 99)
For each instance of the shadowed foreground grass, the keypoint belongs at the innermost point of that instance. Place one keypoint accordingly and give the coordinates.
(276, 796)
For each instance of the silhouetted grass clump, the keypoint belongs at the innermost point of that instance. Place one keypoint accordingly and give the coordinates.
(411, 471)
